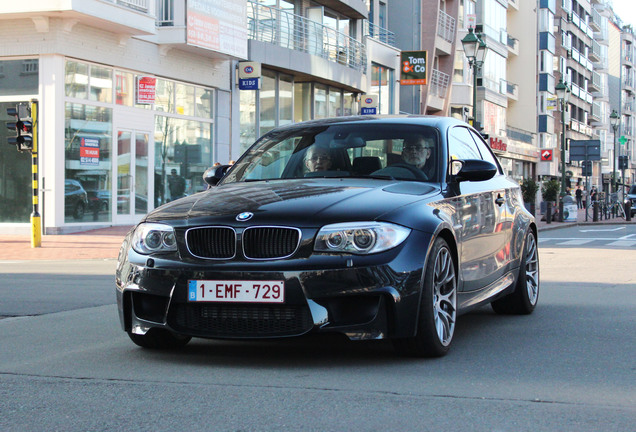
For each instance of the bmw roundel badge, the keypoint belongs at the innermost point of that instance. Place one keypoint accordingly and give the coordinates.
(244, 216)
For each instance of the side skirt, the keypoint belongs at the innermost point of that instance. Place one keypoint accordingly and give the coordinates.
(470, 300)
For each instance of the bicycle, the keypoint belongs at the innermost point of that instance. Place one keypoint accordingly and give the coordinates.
(616, 207)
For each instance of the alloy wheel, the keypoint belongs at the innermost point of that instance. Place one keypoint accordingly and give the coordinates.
(444, 296)
(532, 269)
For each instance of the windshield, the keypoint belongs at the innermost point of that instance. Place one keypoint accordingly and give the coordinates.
(401, 152)
(632, 190)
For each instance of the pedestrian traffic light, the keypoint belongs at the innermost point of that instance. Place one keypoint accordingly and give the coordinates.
(23, 127)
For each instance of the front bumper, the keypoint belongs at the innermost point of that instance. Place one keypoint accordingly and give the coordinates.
(362, 297)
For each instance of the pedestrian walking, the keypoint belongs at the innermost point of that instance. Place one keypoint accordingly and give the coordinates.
(579, 197)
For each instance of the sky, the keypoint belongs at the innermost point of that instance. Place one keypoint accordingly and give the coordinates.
(626, 10)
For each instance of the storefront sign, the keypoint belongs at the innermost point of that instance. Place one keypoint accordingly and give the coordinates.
(249, 75)
(89, 151)
(546, 155)
(145, 90)
(498, 144)
(218, 26)
(369, 105)
(414, 67)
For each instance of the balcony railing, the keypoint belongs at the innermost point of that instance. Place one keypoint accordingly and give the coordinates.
(446, 27)
(165, 13)
(294, 32)
(379, 33)
(439, 83)
(139, 5)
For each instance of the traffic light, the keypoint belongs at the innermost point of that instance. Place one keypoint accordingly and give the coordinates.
(622, 162)
(23, 127)
(586, 168)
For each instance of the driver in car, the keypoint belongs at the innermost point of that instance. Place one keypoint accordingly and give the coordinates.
(417, 151)
(317, 159)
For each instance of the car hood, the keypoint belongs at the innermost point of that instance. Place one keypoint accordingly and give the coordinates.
(306, 203)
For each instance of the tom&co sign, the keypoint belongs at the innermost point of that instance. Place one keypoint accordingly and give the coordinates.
(414, 65)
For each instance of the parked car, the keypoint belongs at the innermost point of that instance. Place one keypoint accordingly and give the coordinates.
(631, 195)
(75, 199)
(371, 247)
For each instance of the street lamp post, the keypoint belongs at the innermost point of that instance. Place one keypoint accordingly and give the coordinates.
(563, 93)
(475, 50)
(615, 122)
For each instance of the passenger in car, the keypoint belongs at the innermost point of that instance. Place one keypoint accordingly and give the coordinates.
(318, 159)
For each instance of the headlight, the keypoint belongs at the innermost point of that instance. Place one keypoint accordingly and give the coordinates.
(360, 237)
(151, 237)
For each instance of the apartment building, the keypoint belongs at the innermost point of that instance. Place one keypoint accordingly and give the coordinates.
(431, 26)
(627, 106)
(138, 97)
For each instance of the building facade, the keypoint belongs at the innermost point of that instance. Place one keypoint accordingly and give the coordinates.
(136, 98)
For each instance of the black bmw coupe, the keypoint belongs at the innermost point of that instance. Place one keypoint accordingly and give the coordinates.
(373, 227)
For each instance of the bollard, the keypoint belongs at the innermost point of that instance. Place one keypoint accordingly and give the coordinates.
(628, 210)
(548, 213)
(595, 217)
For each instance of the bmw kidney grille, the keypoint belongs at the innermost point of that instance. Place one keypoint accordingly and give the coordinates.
(257, 242)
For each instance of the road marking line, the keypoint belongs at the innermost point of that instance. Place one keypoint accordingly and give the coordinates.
(623, 243)
(577, 242)
(599, 230)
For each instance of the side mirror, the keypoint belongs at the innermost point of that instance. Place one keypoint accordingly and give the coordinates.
(473, 170)
(214, 174)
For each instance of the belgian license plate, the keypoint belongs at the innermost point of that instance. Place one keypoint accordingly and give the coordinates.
(236, 291)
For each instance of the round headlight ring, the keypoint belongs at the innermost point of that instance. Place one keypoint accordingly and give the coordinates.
(336, 240)
(364, 239)
(153, 239)
(169, 239)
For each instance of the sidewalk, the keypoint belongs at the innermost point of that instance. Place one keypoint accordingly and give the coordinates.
(101, 243)
(104, 243)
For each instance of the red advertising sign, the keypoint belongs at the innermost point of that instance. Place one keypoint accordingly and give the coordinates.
(146, 90)
(89, 151)
(546, 155)
(498, 144)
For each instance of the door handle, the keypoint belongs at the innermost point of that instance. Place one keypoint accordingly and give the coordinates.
(500, 200)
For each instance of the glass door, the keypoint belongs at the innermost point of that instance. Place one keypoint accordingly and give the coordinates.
(132, 191)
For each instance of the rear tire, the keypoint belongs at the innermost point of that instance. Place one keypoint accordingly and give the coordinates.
(160, 339)
(438, 307)
(523, 299)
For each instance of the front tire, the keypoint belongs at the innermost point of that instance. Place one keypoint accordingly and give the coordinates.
(438, 307)
(523, 299)
(160, 339)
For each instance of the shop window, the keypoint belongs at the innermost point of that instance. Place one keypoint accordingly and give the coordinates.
(184, 146)
(124, 88)
(381, 79)
(164, 96)
(350, 103)
(267, 100)
(203, 102)
(101, 84)
(247, 119)
(87, 153)
(184, 99)
(302, 102)
(320, 101)
(76, 80)
(285, 99)
(335, 102)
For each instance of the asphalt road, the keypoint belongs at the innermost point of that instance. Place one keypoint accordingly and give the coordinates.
(569, 366)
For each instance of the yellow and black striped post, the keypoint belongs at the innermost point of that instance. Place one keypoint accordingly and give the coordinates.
(36, 227)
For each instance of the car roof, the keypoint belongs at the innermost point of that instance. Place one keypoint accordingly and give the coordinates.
(421, 120)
